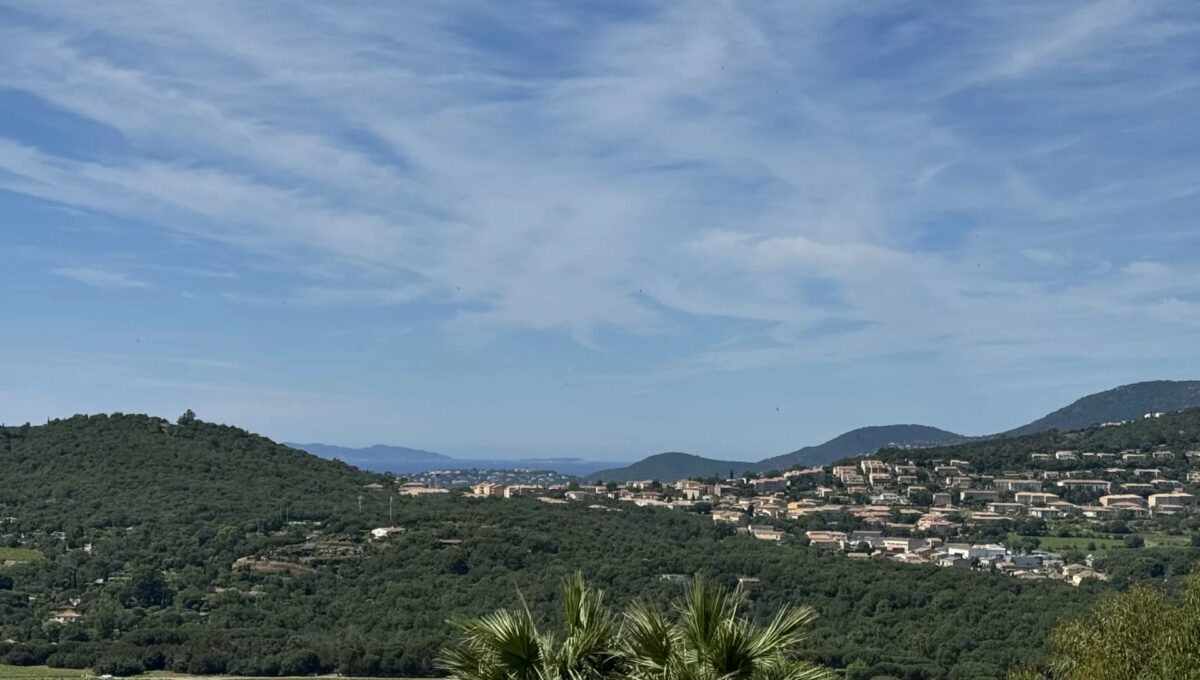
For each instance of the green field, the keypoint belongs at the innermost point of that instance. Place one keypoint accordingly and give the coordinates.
(44, 673)
(40, 672)
(1103, 543)
(1157, 539)
(18, 555)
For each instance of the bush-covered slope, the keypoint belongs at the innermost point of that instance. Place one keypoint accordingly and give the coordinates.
(864, 440)
(121, 470)
(669, 467)
(1178, 431)
(1127, 402)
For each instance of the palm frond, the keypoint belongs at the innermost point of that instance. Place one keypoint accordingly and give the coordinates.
(508, 640)
(784, 633)
(704, 611)
(706, 640)
(649, 643)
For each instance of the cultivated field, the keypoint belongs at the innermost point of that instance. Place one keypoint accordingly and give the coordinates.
(18, 555)
(39, 672)
(44, 673)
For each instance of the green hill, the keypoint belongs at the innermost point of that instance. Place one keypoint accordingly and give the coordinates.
(1178, 432)
(863, 441)
(669, 467)
(123, 470)
(1127, 402)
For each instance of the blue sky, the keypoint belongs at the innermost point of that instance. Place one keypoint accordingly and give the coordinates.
(597, 229)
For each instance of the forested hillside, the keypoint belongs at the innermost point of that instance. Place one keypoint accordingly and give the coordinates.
(672, 466)
(864, 440)
(1123, 403)
(205, 549)
(1126, 402)
(1179, 431)
(123, 470)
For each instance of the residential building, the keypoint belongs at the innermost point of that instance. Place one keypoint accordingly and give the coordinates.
(730, 516)
(488, 489)
(1122, 499)
(1086, 485)
(870, 466)
(770, 485)
(1171, 502)
(1014, 485)
(981, 495)
(826, 539)
(766, 533)
(1035, 497)
(66, 616)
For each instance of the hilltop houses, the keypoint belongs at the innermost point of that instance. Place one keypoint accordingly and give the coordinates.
(918, 513)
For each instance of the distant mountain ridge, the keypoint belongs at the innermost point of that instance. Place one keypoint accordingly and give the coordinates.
(1127, 402)
(403, 460)
(373, 456)
(864, 440)
(1121, 403)
(666, 466)
(861, 441)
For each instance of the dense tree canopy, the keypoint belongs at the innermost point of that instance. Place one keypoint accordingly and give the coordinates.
(1140, 633)
(206, 549)
(1179, 432)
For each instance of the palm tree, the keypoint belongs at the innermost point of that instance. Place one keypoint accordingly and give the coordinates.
(709, 640)
(705, 640)
(506, 645)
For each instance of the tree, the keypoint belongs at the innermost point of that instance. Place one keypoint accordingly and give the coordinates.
(507, 644)
(148, 589)
(188, 417)
(706, 640)
(710, 641)
(1135, 634)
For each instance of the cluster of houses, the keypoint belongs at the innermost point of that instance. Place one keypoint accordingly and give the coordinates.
(915, 512)
(459, 478)
(1034, 565)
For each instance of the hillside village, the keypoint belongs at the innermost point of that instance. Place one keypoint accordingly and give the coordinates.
(1046, 520)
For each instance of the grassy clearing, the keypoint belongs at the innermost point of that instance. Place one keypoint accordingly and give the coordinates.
(164, 675)
(1106, 543)
(1058, 543)
(1158, 540)
(18, 555)
(40, 672)
(45, 673)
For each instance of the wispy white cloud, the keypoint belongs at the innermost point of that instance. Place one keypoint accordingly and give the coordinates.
(833, 183)
(98, 278)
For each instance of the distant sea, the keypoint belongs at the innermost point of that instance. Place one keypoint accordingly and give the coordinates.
(566, 466)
